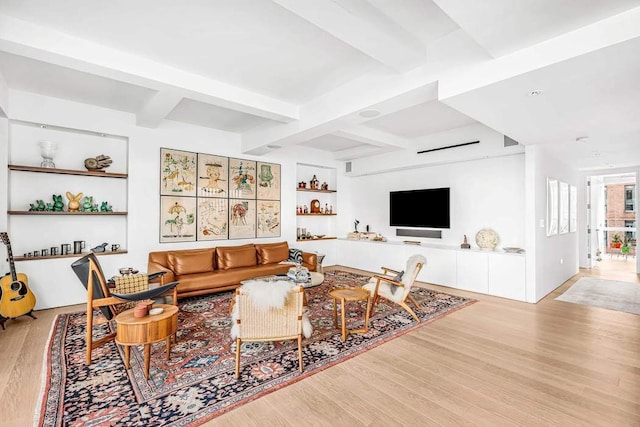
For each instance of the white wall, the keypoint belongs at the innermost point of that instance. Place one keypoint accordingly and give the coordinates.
(484, 193)
(53, 281)
(550, 260)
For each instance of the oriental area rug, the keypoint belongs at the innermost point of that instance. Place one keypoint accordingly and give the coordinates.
(198, 382)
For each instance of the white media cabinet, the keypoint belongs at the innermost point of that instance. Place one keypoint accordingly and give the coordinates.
(495, 273)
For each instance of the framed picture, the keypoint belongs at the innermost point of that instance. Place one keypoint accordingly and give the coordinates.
(552, 207)
(177, 173)
(563, 216)
(573, 209)
(268, 218)
(213, 219)
(242, 179)
(177, 219)
(242, 218)
(268, 181)
(213, 176)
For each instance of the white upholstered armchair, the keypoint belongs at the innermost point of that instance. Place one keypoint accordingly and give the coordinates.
(390, 286)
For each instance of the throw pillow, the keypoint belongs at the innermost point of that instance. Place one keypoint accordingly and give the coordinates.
(295, 255)
(397, 278)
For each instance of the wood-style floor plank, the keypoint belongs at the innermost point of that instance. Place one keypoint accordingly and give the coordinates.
(496, 362)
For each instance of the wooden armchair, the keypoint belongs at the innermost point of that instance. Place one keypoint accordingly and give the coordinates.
(397, 291)
(100, 296)
(256, 320)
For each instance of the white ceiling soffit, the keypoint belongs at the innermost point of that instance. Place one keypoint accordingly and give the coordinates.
(29, 75)
(504, 26)
(212, 116)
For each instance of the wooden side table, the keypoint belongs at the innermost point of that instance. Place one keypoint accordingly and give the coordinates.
(145, 331)
(345, 295)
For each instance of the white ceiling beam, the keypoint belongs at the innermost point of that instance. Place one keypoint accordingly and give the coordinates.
(359, 152)
(44, 44)
(363, 27)
(374, 137)
(158, 108)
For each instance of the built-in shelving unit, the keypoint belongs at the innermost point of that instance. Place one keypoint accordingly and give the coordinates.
(309, 221)
(63, 213)
(67, 171)
(35, 258)
(315, 214)
(314, 190)
(316, 238)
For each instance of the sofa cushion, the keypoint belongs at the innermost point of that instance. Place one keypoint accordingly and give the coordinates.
(272, 253)
(236, 256)
(190, 262)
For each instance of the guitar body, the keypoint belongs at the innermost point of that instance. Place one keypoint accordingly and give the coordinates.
(16, 299)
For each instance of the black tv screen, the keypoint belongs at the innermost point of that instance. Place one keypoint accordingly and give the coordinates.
(427, 208)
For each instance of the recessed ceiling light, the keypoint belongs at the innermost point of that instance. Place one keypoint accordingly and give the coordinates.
(535, 92)
(582, 139)
(369, 113)
(43, 126)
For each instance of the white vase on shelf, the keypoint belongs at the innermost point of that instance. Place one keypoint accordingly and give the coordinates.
(47, 151)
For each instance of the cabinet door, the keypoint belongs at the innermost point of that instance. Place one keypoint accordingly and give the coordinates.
(507, 276)
(440, 268)
(473, 271)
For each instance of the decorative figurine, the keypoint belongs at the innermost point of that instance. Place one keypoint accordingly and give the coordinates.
(58, 205)
(40, 205)
(87, 205)
(100, 248)
(302, 184)
(49, 207)
(105, 207)
(47, 151)
(465, 244)
(74, 202)
(324, 186)
(96, 164)
(355, 225)
(314, 183)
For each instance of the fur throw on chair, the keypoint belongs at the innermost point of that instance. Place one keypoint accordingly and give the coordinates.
(267, 296)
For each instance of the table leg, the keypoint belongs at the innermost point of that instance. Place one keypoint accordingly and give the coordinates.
(366, 316)
(344, 320)
(168, 340)
(147, 356)
(335, 312)
(126, 356)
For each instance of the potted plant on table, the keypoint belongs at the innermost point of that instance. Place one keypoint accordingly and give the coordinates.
(616, 242)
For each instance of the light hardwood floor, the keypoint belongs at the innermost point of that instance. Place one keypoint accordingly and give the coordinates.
(497, 362)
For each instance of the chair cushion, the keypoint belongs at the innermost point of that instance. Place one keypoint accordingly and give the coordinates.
(272, 253)
(236, 256)
(384, 290)
(190, 262)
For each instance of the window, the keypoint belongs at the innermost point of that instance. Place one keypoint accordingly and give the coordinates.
(630, 234)
(629, 198)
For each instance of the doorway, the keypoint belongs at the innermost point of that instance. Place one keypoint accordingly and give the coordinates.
(612, 215)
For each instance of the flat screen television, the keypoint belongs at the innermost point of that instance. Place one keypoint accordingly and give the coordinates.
(428, 208)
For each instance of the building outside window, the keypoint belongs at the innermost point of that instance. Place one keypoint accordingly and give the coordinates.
(629, 198)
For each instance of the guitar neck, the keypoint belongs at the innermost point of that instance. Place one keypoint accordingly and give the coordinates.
(12, 266)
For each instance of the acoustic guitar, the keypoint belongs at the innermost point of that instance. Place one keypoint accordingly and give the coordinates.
(16, 299)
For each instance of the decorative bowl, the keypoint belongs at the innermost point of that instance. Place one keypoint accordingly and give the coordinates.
(156, 310)
(319, 236)
(127, 270)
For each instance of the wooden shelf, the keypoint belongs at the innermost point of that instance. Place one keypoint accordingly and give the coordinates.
(66, 171)
(63, 213)
(315, 214)
(35, 258)
(319, 238)
(315, 191)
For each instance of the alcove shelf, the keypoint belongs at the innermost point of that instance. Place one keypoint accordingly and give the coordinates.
(316, 214)
(315, 191)
(317, 238)
(67, 171)
(35, 258)
(63, 213)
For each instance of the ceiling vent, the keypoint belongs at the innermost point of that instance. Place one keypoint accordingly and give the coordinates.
(449, 146)
(509, 142)
(347, 167)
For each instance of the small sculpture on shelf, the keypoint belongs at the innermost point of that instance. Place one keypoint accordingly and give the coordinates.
(49, 207)
(96, 164)
(106, 207)
(100, 248)
(87, 204)
(47, 151)
(74, 202)
(324, 186)
(302, 184)
(58, 205)
(313, 184)
(355, 225)
(38, 206)
(465, 244)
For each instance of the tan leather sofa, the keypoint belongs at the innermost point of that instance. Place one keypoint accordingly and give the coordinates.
(203, 271)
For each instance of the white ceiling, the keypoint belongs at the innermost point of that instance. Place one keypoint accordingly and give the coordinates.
(282, 72)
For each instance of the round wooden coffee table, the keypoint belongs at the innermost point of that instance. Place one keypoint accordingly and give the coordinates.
(146, 330)
(345, 295)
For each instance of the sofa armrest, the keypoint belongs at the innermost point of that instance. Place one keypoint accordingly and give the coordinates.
(310, 260)
(164, 278)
